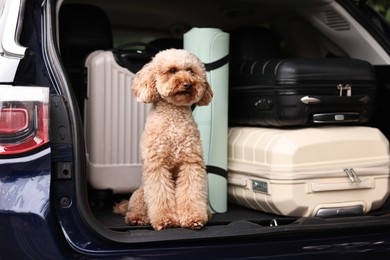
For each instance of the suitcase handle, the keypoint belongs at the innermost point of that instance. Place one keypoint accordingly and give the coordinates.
(364, 99)
(336, 186)
(136, 44)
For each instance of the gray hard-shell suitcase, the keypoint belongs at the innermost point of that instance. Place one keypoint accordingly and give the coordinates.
(114, 120)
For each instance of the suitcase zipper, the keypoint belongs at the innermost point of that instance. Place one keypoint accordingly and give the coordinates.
(341, 88)
(300, 173)
(353, 177)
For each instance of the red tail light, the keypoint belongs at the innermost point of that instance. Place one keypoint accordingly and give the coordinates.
(23, 119)
(13, 120)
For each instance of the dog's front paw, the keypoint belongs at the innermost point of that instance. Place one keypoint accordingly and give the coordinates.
(164, 223)
(194, 221)
(136, 219)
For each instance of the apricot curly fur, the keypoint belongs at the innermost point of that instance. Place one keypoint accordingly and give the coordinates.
(174, 192)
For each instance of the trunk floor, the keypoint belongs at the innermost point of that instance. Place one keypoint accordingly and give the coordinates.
(234, 213)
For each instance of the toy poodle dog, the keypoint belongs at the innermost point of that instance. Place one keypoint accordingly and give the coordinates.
(174, 191)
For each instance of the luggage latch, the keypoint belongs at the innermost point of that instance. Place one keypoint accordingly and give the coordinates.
(347, 88)
(353, 177)
(310, 100)
(260, 186)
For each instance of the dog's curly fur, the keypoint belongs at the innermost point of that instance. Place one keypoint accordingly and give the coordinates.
(173, 193)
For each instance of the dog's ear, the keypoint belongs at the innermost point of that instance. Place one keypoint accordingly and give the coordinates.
(208, 95)
(144, 85)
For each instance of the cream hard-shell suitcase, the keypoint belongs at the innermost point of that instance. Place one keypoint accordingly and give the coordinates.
(113, 125)
(322, 171)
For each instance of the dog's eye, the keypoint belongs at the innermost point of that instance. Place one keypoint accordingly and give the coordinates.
(172, 71)
(190, 71)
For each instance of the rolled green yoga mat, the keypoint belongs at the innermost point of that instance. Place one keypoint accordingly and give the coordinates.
(211, 45)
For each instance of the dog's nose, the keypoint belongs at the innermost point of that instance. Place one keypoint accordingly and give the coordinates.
(187, 85)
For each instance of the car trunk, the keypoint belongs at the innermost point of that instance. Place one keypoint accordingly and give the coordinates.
(94, 206)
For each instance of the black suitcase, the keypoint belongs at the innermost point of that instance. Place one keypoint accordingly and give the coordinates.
(297, 92)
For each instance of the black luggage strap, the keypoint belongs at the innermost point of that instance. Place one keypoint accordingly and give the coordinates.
(212, 66)
(216, 170)
(217, 64)
(220, 172)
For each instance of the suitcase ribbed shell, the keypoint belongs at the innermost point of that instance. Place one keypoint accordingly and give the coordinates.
(114, 122)
(299, 171)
